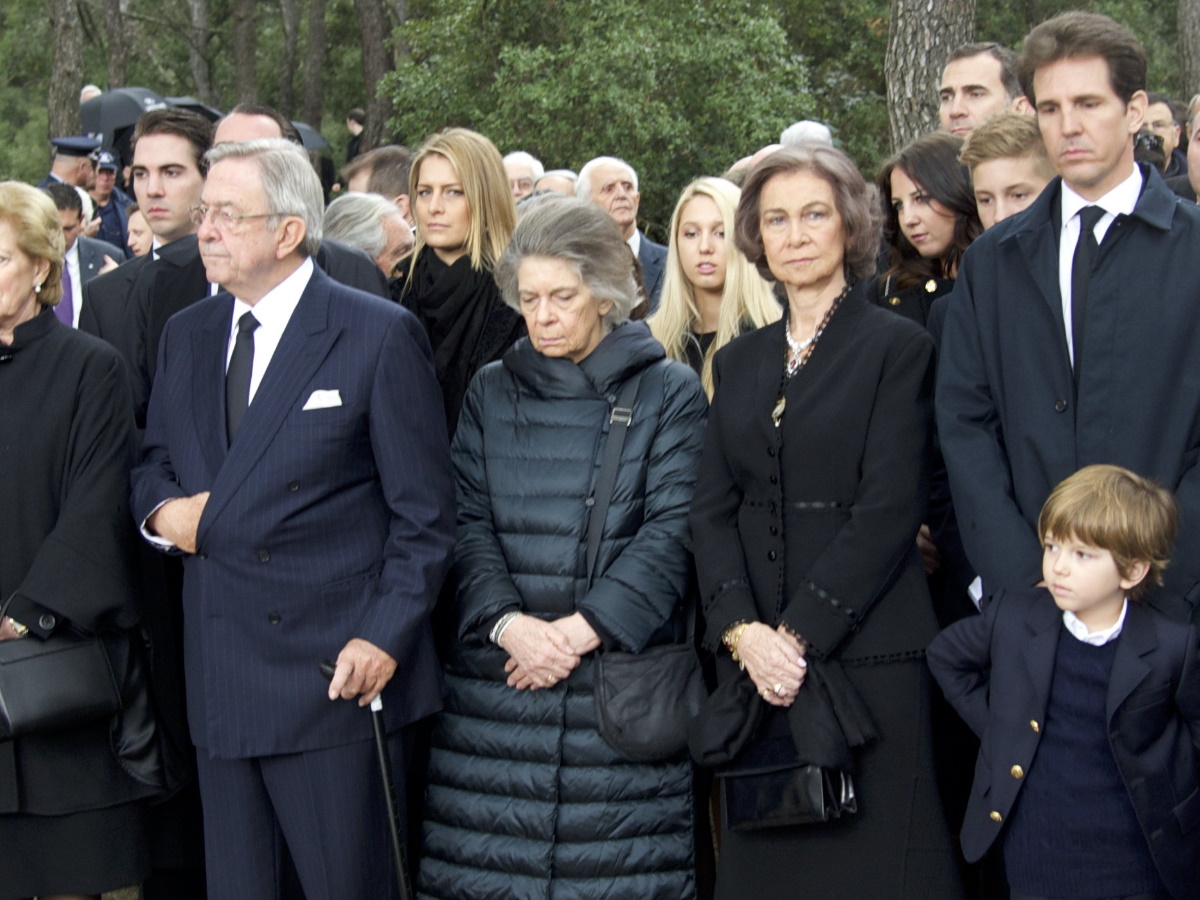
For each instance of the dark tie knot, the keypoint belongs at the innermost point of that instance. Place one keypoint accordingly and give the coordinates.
(1089, 216)
(247, 323)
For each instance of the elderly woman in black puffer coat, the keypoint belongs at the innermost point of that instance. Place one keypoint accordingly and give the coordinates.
(525, 798)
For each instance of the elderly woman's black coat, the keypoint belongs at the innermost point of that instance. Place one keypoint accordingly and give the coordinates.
(66, 431)
(525, 798)
(814, 524)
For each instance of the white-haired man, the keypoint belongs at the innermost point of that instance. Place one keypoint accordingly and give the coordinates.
(612, 184)
(296, 455)
(523, 170)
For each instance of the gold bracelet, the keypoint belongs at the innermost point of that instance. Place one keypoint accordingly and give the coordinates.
(19, 629)
(731, 639)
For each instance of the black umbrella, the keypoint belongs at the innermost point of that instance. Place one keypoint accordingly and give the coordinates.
(310, 136)
(118, 108)
(197, 106)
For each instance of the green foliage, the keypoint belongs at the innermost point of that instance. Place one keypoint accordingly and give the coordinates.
(24, 75)
(679, 87)
(678, 94)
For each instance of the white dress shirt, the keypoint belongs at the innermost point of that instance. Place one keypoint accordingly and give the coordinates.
(273, 312)
(1120, 200)
(1080, 632)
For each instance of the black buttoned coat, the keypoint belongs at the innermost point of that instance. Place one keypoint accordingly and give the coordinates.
(996, 670)
(814, 524)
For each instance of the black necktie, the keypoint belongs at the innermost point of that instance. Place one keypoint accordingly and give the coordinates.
(1081, 273)
(237, 378)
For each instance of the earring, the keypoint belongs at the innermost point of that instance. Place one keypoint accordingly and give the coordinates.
(37, 288)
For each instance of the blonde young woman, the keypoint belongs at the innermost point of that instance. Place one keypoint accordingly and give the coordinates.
(711, 292)
(465, 217)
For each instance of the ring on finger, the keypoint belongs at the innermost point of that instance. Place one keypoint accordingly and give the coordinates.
(549, 679)
(764, 693)
(779, 689)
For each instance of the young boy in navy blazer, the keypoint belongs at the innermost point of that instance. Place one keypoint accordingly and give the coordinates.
(1087, 704)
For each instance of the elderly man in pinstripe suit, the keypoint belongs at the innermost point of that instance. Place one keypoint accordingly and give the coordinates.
(296, 454)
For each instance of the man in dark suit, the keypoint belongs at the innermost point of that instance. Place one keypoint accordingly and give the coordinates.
(168, 145)
(612, 184)
(83, 257)
(1052, 359)
(296, 454)
(178, 279)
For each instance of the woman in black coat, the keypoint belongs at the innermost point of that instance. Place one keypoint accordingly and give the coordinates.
(930, 219)
(70, 821)
(525, 798)
(812, 486)
(465, 215)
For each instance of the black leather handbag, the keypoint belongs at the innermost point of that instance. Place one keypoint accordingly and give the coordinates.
(770, 788)
(60, 682)
(643, 700)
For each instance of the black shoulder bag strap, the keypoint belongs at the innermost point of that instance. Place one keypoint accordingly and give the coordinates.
(618, 424)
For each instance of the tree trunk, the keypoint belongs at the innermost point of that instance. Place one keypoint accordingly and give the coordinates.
(1189, 47)
(401, 52)
(290, 10)
(118, 44)
(66, 69)
(921, 35)
(312, 110)
(199, 59)
(372, 28)
(245, 50)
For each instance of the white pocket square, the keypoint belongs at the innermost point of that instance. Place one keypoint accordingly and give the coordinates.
(323, 400)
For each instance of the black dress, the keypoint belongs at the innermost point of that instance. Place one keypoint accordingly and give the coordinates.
(70, 817)
(813, 524)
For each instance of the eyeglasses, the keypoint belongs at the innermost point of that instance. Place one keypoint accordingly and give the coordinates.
(222, 218)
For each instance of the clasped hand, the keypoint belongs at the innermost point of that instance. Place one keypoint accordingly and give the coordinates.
(775, 661)
(543, 653)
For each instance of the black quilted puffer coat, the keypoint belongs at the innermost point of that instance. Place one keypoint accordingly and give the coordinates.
(525, 799)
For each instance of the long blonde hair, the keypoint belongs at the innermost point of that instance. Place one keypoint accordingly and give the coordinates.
(485, 183)
(747, 301)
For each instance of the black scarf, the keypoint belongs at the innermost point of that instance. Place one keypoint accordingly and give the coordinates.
(468, 323)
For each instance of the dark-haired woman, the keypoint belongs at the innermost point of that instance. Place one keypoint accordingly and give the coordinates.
(929, 220)
(812, 483)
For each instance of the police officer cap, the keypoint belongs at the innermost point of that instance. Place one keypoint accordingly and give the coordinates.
(76, 146)
(106, 160)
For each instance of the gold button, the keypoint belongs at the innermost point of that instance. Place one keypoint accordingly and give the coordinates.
(1016, 772)
(895, 301)
(1035, 726)
(995, 816)
(930, 286)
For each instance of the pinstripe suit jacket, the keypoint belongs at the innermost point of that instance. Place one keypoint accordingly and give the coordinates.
(322, 525)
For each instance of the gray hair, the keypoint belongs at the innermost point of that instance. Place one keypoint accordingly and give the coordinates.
(357, 220)
(583, 184)
(582, 235)
(288, 179)
(520, 157)
(805, 131)
(557, 173)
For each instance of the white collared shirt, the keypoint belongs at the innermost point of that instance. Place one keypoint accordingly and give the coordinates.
(1119, 201)
(71, 261)
(635, 243)
(1080, 632)
(273, 312)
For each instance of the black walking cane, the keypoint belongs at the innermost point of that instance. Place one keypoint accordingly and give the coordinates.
(399, 856)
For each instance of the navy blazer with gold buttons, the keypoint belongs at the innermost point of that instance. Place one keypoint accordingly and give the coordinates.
(996, 670)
